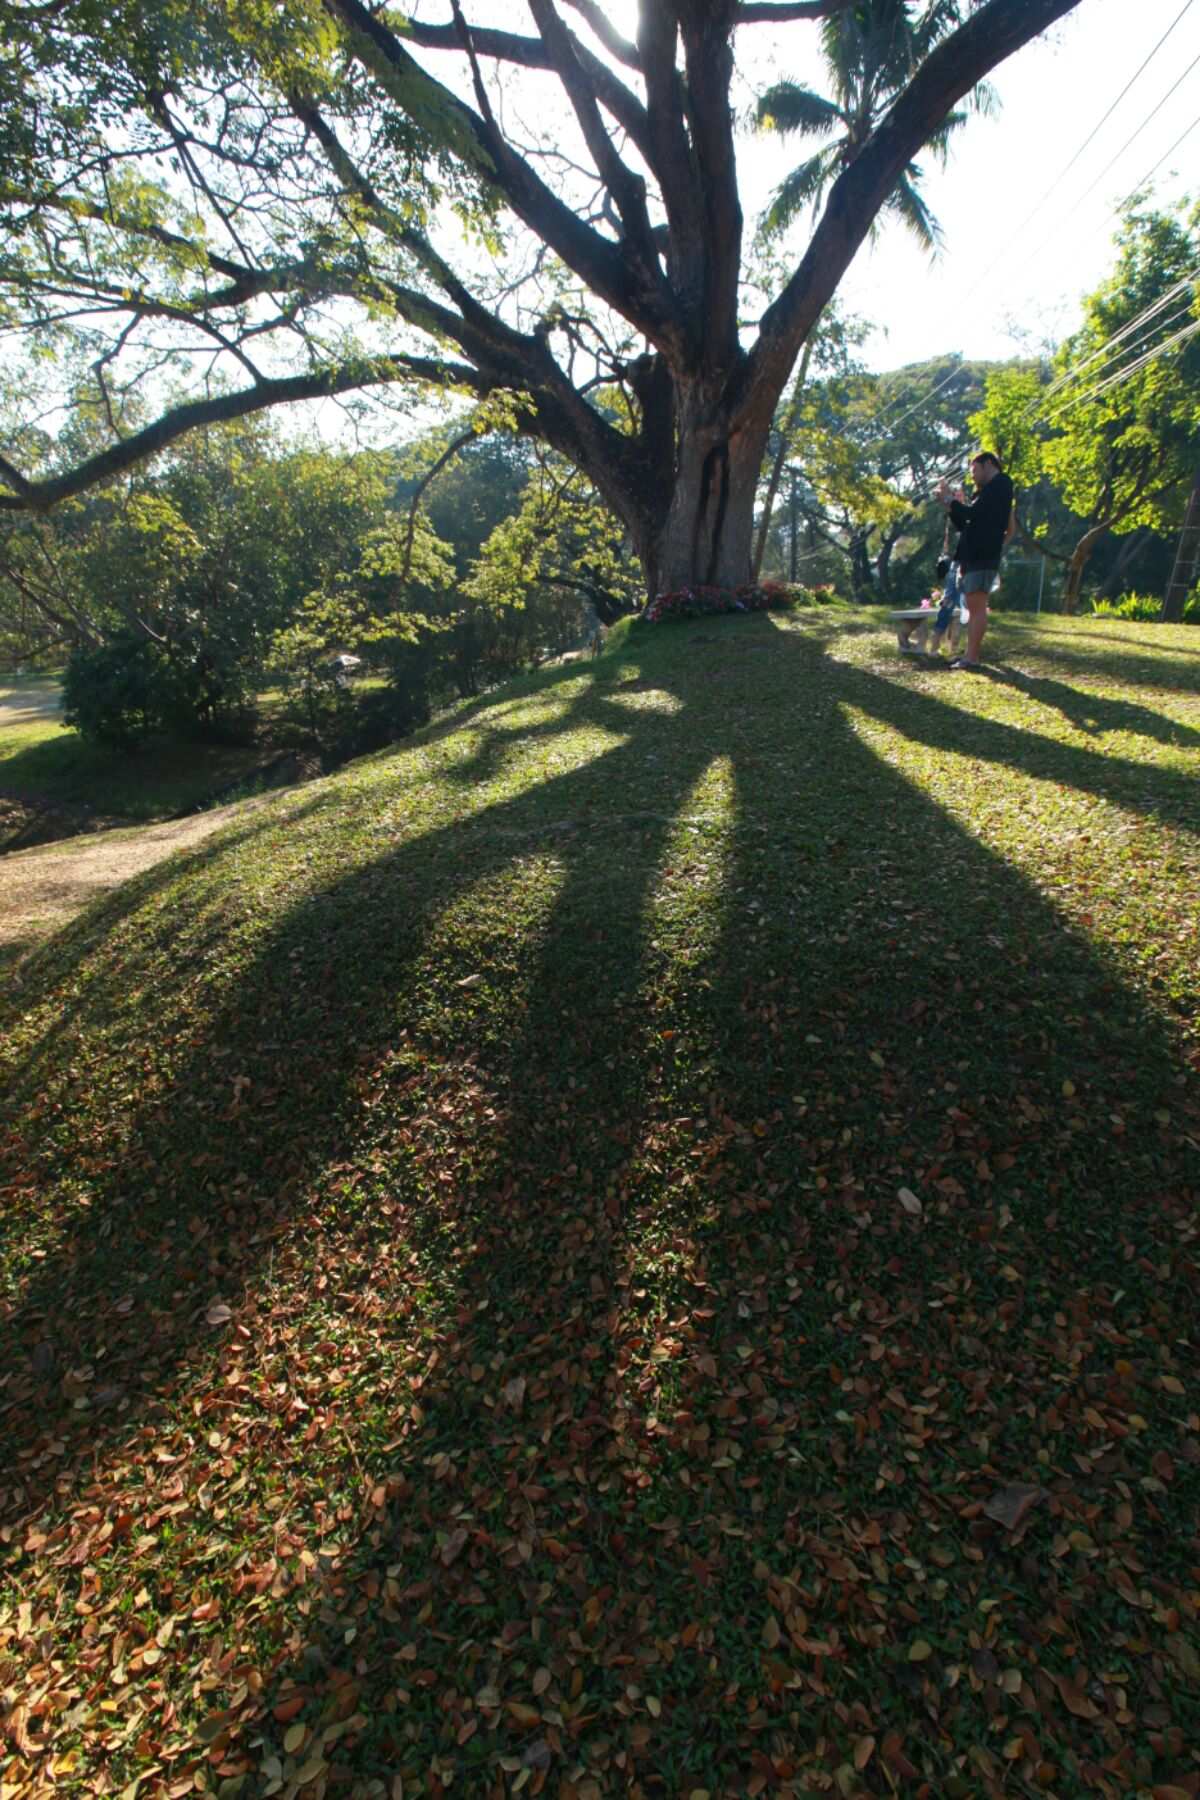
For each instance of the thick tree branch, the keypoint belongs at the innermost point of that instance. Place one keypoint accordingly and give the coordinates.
(506, 358)
(609, 36)
(705, 26)
(671, 158)
(531, 53)
(24, 488)
(627, 189)
(393, 225)
(957, 65)
(602, 265)
(782, 12)
(40, 496)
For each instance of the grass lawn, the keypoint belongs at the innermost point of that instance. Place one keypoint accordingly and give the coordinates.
(643, 1243)
(47, 769)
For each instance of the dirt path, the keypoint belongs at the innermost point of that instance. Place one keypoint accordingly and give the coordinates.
(42, 889)
(24, 705)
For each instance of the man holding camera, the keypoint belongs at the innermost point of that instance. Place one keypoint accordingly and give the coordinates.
(985, 526)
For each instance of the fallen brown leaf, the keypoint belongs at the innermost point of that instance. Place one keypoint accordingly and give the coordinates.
(1009, 1506)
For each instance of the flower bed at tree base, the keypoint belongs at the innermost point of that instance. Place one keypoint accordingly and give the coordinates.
(703, 602)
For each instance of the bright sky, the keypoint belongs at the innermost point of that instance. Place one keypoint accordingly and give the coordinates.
(1005, 278)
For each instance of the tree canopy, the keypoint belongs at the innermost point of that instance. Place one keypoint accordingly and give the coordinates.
(284, 202)
(1113, 422)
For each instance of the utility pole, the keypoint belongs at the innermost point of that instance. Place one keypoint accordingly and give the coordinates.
(1187, 560)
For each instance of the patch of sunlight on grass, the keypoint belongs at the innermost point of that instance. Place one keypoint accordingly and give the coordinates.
(528, 710)
(29, 732)
(561, 755)
(415, 790)
(481, 954)
(649, 700)
(686, 903)
(1111, 873)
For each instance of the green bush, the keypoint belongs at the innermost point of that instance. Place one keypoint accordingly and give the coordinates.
(121, 692)
(1147, 607)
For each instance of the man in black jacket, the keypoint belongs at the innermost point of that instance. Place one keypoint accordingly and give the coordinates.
(985, 526)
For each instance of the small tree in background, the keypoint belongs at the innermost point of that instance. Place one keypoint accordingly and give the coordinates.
(1120, 449)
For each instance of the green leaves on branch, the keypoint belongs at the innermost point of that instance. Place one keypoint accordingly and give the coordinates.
(871, 51)
(562, 537)
(1111, 425)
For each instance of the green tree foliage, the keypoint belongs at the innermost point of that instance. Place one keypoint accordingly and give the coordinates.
(393, 609)
(865, 451)
(202, 558)
(870, 50)
(544, 576)
(1115, 438)
(474, 493)
(561, 541)
(122, 692)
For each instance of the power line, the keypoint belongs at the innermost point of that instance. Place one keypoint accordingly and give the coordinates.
(1048, 400)
(1134, 325)
(1071, 400)
(1116, 345)
(886, 408)
(1093, 133)
(945, 383)
(1162, 159)
(1090, 190)
(1114, 379)
(1030, 216)
(1103, 354)
(1096, 128)
(1123, 374)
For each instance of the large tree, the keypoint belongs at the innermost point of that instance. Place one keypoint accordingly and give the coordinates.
(281, 191)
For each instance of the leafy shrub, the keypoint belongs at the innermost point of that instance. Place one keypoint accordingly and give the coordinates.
(121, 692)
(703, 602)
(1147, 607)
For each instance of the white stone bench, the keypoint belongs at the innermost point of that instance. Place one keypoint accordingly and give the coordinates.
(913, 625)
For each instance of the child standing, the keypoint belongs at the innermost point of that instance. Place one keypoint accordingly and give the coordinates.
(952, 596)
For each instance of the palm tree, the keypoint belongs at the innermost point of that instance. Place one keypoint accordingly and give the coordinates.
(870, 50)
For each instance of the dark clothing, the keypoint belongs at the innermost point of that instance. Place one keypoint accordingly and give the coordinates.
(951, 600)
(983, 524)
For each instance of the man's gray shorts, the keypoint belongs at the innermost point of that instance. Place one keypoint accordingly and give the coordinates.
(978, 581)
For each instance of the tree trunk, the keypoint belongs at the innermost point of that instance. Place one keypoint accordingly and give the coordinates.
(860, 570)
(1078, 563)
(883, 568)
(1187, 561)
(705, 538)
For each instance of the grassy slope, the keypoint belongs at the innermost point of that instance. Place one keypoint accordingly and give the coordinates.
(530, 1261)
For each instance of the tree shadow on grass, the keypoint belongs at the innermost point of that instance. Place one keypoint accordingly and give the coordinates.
(1144, 788)
(1168, 669)
(1095, 713)
(581, 1129)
